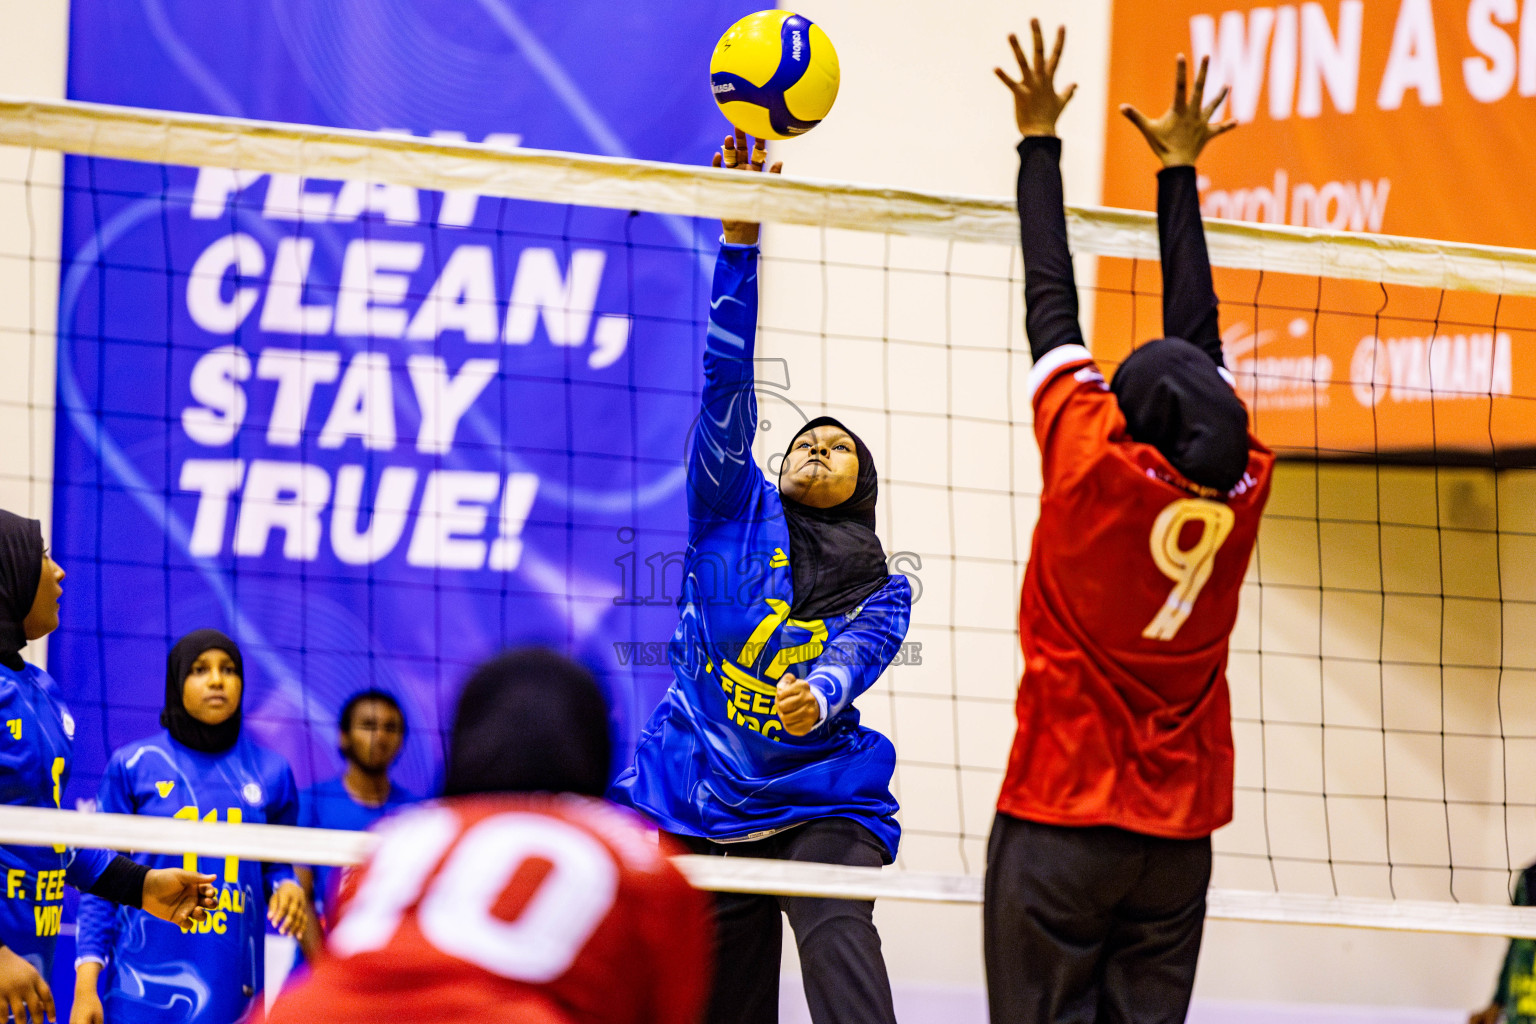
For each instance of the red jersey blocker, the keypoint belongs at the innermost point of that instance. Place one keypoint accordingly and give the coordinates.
(1128, 602)
(1100, 855)
(534, 908)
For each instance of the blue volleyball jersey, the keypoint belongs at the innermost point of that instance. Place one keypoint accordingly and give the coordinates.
(714, 760)
(37, 741)
(208, 972)
(329, 805)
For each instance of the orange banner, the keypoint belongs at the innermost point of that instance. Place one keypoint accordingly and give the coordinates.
(1401, 116)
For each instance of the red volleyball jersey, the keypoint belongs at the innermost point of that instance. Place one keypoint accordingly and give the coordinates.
(529, 908)
(1128, 604)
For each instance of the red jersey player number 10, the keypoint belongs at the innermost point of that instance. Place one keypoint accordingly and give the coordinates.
(456, 915)
(1188, 567)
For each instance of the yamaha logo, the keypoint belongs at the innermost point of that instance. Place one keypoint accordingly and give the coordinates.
(251, 793)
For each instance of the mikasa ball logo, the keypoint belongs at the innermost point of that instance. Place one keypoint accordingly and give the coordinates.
(794, 45)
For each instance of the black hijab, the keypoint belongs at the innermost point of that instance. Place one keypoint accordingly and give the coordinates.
(1174, 399)
(21, 567)
(836, 558)
(530, 721)
(178, 721)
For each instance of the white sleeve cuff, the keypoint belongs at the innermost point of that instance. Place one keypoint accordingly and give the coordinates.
(1052, 361)
(736, 245)
(88, 960)
(821, 702)
(1226, 375)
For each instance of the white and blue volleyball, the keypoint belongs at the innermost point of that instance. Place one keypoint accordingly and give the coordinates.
(774, 74)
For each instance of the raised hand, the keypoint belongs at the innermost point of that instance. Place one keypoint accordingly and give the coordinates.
(1036, 103)
(735, 155)
(1182, 132)
(796, 706)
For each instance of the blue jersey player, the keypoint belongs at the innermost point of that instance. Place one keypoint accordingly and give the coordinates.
(370, 736)
(788, 614)
(200, 767)
(36, 748)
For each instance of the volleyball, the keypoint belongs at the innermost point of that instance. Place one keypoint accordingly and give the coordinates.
(774, 74)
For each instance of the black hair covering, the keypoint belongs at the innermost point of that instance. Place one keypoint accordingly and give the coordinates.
(530, 721)
(21, 567)
(1174, 399)
(834, 553)
(178, 721)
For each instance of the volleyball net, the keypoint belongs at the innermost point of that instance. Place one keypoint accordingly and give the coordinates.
(379, 405)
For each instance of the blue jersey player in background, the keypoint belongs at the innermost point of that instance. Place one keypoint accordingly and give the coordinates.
(788, 614)
(199, 768)
(370, 736)
(37, 738)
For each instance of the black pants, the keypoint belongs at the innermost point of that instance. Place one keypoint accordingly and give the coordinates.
(840, 959)
(1091, 925)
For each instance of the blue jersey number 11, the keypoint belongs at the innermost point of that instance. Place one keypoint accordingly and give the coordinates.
(233, 816)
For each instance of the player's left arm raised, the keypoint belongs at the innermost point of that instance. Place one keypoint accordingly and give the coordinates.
(1177, 138)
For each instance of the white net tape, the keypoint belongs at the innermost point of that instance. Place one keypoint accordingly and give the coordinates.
(285, 844)
(191, 140)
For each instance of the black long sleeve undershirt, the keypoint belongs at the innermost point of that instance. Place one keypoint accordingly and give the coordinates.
(1050, 287)
(1189, 298)
(121, 882)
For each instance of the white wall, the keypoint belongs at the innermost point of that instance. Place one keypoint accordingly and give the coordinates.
(32, 63)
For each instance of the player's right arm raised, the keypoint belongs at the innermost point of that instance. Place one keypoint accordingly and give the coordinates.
(1050, 288)
(721, 473)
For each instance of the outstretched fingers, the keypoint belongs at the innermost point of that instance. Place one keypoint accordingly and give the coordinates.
(737, 149)
(1210, 109)
(1026, 77)
(1197, 99)
(1034, 28)
(1180, 77)
(1061, 40)
(1144, 126)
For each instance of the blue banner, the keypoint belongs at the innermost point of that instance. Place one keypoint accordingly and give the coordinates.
(375, 433)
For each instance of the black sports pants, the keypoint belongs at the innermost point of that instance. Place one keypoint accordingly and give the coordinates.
(840, 959)
(1091, 925)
